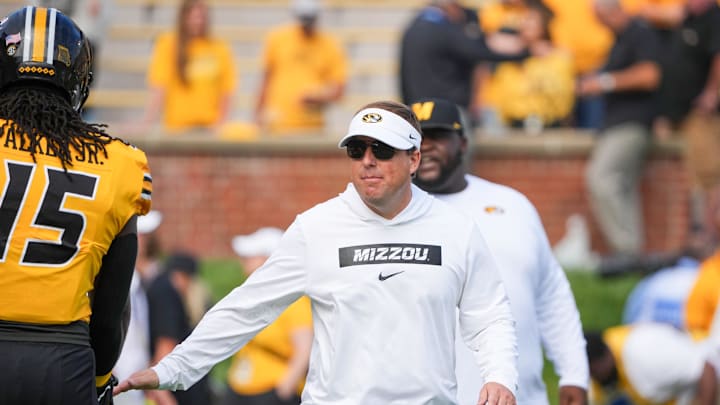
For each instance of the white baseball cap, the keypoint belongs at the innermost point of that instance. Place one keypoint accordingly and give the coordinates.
(149, 222)
(259, 243)
(385, 126)
(306, 8)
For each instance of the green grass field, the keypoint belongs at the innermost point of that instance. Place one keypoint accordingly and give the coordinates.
(600, 302)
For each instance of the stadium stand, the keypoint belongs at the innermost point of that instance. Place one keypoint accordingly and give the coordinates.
(369, 30)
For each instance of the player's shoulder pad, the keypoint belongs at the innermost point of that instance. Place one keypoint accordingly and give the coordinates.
(135, 166)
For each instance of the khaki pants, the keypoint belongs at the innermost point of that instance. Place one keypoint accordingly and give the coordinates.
(613, 175)
(702, 161)
(702, 153)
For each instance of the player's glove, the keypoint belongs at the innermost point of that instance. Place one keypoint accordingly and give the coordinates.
(105, 392)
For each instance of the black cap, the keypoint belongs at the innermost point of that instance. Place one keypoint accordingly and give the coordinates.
(181, 261)
(437, 113)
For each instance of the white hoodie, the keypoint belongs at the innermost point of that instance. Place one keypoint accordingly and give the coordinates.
(384, 296)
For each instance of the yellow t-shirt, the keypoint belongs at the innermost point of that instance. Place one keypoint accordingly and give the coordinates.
(296, 66)
(260, 365)
(211, 76)
(497, 15)
(703, 299)
(541, 86)
(60, 225)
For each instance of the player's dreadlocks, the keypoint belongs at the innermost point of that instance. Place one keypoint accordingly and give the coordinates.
(34, 114)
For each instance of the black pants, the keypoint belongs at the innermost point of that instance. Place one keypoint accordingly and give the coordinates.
(46, 373)
(267, 398)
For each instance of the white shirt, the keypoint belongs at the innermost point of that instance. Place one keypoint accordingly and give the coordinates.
(540, 296)
(384, 295)
(663, 363)
(661, 296)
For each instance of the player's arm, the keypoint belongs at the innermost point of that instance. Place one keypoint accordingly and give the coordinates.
(108, 322)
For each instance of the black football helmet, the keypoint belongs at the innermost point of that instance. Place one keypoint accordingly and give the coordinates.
(42, 44)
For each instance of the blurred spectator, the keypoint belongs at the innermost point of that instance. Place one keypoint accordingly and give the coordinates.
(191, 75)
(271, 368)
(503, 15)
(577, 29)
(169, 319)
(539, 91)
(649, 363)
(304, 71)
(628, 82)
(662, 296)
(149, 254)
(440, 50)
(136, 349)
(689, 103)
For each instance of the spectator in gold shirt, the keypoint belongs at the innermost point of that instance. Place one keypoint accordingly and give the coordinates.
(540, 87)
(304, 71)
(191, 75)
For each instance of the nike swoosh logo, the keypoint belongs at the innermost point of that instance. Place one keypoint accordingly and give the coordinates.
(383, 278)
(411, 136)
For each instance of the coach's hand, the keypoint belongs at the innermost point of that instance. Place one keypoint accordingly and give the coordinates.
(571, 395)
(496, 394)
(142, 380)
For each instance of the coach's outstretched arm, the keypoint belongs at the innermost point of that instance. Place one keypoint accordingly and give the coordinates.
(232, 322)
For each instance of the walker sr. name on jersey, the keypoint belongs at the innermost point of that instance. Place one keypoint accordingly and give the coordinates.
(390, 253)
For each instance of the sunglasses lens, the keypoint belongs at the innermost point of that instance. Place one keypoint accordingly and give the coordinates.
(382, 151)
(356, 149)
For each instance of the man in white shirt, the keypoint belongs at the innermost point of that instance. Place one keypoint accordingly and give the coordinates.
(650, 363)
(386, 266)
(540, 296)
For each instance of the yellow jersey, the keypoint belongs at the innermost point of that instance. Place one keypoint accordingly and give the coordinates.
(262, 363)
(703, 299)
(56, 226)
(540, 86)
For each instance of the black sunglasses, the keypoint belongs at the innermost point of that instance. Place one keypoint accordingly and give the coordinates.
(356, 150)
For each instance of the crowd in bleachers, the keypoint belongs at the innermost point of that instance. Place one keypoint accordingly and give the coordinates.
(564, 43)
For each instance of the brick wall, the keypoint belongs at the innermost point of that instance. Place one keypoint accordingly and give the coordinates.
(212, 190)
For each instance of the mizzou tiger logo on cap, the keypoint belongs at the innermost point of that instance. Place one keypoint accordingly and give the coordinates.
(372, 118)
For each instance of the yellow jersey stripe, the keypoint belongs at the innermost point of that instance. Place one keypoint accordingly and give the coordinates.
(39, 33)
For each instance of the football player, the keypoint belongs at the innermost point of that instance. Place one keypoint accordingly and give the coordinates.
(69, 196)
